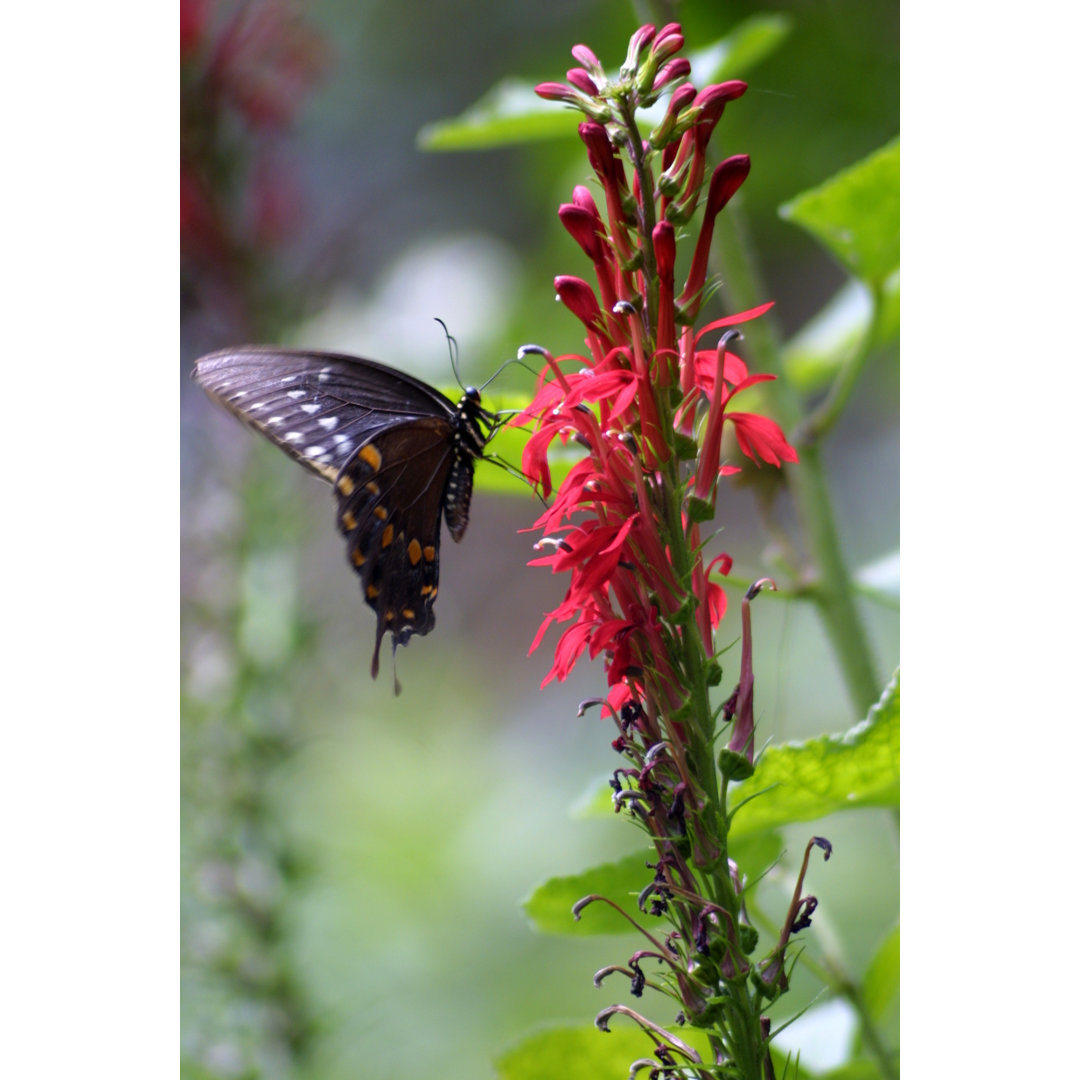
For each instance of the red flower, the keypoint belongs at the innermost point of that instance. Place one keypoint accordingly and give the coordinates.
(609, 525)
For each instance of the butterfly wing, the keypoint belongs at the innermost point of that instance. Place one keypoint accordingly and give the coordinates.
(390, 500)
(396, 450)
(320, 408)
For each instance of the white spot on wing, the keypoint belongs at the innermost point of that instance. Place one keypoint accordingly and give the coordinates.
(317, 451)
(275, 419)
(309, 409)
(293, 436)
(328, 422)
(294, 394)
(324, 375)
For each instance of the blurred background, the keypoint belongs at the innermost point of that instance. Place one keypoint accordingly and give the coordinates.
(353, 862)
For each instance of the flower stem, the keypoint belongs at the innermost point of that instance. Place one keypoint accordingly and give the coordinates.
(833, 590)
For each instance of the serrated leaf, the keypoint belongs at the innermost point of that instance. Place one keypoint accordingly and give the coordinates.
(821, 776)
(583, 1053)
(834, 772)
(856, 214)
(882, 980)
(816, 353)
(510, 113)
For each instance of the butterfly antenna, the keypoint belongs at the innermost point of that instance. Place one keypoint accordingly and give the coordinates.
(504, 365)
(452, 344)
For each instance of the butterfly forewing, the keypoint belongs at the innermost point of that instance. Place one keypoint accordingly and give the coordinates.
(318, 407)
(399, 454)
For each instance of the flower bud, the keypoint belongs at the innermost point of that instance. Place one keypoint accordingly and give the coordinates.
(588, 59)
(678, 68)
(579, 298)
(580, 78)
(553, 91)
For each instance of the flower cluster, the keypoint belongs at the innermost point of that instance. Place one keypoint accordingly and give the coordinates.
(648, 394)
(648, 402)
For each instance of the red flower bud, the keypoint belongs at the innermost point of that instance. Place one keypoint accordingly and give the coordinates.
(587, 58)
(583, 198)
(678, 68)
(726, 180)
(554, 91)
(579, 298)
(641, 37)
(668, 42)
(580, 78)
(664, 246)
(581, 225)
(599, 149)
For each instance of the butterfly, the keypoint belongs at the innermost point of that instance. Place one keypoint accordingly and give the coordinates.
(398, 453)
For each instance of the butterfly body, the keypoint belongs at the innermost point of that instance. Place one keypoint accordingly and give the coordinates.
(398, 453)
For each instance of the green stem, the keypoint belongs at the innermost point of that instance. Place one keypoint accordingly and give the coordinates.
(822, 419)
(832, 975)
(833, 590)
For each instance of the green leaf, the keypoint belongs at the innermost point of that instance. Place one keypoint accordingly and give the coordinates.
(854, 1070)
(882, 980)
(821, 776)
(549, 905)
(856, 214)
(584, 1053)
(754, 40)
(510, 113)
(814, 356)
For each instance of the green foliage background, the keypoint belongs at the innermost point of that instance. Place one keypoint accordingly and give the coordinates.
(354, 863)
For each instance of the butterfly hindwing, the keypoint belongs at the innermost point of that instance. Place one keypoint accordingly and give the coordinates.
(390, 499)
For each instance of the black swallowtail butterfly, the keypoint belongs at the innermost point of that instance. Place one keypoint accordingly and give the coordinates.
(398, 453)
